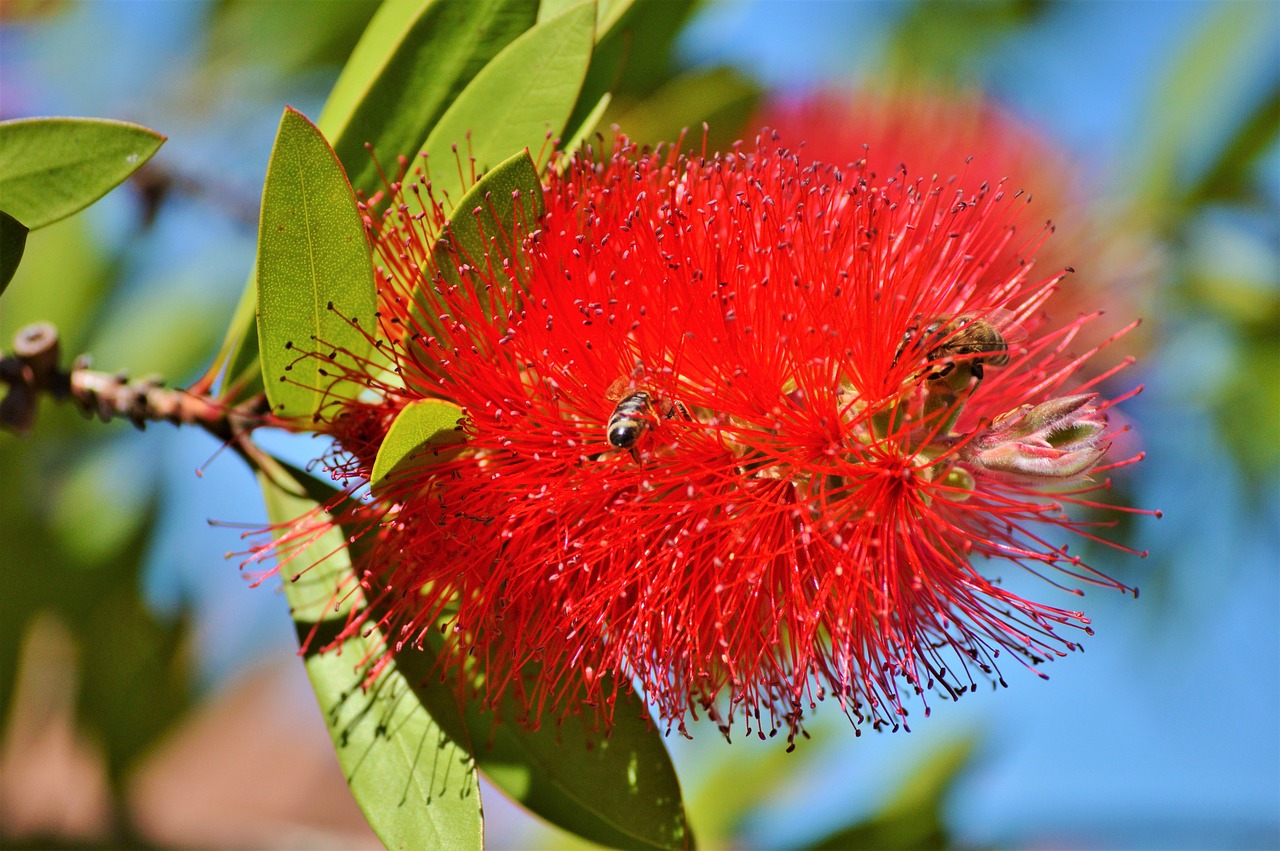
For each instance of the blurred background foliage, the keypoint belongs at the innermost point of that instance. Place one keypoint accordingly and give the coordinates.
(134, 662)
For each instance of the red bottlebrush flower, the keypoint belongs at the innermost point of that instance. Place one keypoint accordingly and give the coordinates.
(969, 135)
(739, 431)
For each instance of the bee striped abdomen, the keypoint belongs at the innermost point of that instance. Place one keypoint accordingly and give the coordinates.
(630, 420)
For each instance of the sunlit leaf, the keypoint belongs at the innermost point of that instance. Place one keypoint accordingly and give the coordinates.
(427, 425)
(947, 42)
(620, 791)
(53, 167)
(525, 94)
(237, 363)
(1184, 131)
(632, 57)
(1228, 179)
(415, 784)
(480, 232)
(607, 11)
(483, 225)
(721, 98)
(13, 238)
(411, 63)
(315, 276)
(288, 36)
(589, 123)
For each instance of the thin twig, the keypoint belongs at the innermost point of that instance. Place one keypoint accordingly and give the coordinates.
(34, 369)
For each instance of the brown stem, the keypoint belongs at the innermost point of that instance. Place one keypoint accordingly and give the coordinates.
(34, 368)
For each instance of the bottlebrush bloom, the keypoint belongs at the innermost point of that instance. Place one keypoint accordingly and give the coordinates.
(741, 431)
(969, 135)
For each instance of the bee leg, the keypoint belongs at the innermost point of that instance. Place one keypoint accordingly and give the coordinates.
(682, 408)
(976, 369)
(635, 453)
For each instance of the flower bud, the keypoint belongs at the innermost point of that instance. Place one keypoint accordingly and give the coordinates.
(1053, 441)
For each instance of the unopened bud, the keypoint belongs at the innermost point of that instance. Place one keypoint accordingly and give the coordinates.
(1053, 441)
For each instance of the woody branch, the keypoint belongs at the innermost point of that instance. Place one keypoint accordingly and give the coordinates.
(34, 368)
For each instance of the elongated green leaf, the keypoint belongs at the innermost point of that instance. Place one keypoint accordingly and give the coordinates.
(411, 63)
(1228, 178)
(315, 276)
(237, 364)
(590, 121)
(620, 791)
(1184, 128)
(13, 239)
(484, 224)
(526, 92)
(632, 56)
(481, 233)
(721, 97)
(607, 11)
(416, 785)
(428, 425)
(912, 819)
(53, 167)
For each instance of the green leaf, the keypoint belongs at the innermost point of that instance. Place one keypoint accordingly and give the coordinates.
(315, 276)
(237, 362)
(415, 784)
(13, 239)
(1228, 178)
(590, 121)
(526, 92)
(632, 56)
(1193, 107)
(479, 234)
(607, 11)
(53, 167)
(424, 425)
(250, 34)
(621, 791)
(913, 818)
(411, 63)
(720, 97)
(485, 221)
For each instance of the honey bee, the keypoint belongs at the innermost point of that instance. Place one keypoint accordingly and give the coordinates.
(968, 340)
(637, 410)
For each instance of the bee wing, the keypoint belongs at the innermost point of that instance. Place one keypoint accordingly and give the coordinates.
(1006, 322)
(619, 388)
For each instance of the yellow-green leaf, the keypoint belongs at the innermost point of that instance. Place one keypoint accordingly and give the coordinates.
(315, 275)
(415, 783)
(506, 201)
(620, 791)
(527, 92)
(413, 60)
(53, 167)
(428, 425)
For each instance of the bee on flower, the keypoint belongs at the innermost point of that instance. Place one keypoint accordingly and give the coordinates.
(716, 446)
